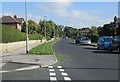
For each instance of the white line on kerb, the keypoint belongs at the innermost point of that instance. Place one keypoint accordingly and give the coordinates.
(2, 64)
(27, 68)
(53, 79)
(21, 69)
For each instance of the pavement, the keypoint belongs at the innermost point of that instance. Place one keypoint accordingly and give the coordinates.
(79, 63)
(20, 56)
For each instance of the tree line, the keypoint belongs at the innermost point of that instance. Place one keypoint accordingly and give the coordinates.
(52, 30)
(94, 33)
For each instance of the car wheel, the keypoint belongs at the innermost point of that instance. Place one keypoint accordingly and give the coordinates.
(98, 47)
(110, 50)
(76, 42)
(118, 50)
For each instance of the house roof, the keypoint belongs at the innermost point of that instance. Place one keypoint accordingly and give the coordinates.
(8, 19)
(20, 20)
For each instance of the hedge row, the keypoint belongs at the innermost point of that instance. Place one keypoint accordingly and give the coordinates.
(10, 34)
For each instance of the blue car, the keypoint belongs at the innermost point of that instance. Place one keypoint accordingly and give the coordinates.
(104, 42)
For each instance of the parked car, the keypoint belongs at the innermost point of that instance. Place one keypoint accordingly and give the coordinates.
(83, 40)
(104, 42)
(115, 44)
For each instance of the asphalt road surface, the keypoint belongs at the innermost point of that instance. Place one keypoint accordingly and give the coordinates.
(78, 63)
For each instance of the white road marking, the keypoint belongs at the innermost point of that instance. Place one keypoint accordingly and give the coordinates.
(51, 70)
(59, 66)
(50, 67)
(21, 69)
(53, 79)
(64, 74)
(67, 79)
(4, 71)
(2, 64)
(52, 74)
(28, 68)
(61, 70)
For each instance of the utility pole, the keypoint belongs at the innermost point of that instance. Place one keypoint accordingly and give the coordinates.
(115, 20)
(27, 39)
(45, 25)
(53, 29)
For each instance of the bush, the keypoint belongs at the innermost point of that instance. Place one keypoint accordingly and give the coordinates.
(10, 34)
(48, 38)
(94, 38)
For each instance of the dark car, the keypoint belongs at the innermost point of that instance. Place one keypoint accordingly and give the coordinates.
(115, 44)
(104, 42)
(83, 40)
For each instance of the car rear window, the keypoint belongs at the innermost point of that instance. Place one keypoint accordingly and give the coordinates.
(117, 38)
(107, 39)
(86, 39)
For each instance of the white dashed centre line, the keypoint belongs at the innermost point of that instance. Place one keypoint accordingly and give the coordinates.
(61, 70)
(59, 66)
(53, 79)
(64, 74)
(67, 79)
(51, 70)
(52, 74)
(50, 67)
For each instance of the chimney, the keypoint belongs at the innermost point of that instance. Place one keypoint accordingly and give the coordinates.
(15, 16)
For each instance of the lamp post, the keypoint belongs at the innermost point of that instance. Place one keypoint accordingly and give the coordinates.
(53, 29)
(45, 25)
(27, 48)
(115, 20)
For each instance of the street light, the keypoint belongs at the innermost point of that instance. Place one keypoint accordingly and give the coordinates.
(53, 29)
(45, 25)
(27, 48)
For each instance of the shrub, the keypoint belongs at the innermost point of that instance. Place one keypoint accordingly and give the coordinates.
(94, 38)
(10, 34)
(48, 38)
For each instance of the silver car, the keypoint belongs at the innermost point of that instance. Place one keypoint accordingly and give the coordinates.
(83, 40)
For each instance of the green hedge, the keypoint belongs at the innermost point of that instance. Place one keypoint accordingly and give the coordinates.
(10, 34)
(94, 38)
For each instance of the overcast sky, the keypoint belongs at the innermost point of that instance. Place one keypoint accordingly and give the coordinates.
(76, 14)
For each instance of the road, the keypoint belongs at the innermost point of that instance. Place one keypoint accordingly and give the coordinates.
(78, 63)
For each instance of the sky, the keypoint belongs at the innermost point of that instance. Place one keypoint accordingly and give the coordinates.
(75, 14)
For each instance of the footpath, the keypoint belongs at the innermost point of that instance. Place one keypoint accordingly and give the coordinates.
(20, 56)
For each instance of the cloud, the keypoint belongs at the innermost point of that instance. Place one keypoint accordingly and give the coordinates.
(36, 18)
(74, 17)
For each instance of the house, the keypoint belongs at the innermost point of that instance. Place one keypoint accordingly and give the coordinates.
(12, 21)
(85, 31)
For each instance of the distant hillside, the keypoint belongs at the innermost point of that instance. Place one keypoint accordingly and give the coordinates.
(13, 35)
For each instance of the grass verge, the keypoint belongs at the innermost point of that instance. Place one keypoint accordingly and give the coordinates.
(94, 44)
(42, 49)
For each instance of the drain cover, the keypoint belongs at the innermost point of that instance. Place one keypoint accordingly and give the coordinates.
(37, 60)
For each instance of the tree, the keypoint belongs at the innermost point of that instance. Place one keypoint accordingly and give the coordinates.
(32, 27)
(71, 32)
(93, 35)
(106, 30)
